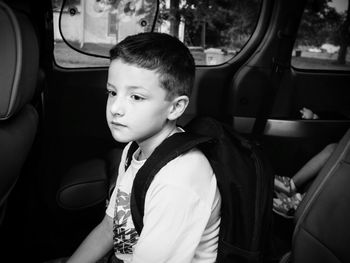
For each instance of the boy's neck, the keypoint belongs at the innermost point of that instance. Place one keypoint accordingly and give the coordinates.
(147, 147)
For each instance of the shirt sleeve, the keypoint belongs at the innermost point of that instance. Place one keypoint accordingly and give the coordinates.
(174, 221)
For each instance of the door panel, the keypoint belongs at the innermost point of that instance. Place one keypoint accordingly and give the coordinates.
(288, 140)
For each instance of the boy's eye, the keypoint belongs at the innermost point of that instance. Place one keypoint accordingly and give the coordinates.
(137, 97)
(111, 93)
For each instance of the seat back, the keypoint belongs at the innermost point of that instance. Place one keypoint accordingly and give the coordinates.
(322, 231)
(19, 62)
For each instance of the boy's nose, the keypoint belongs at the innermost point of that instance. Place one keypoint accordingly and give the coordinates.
(117, 107)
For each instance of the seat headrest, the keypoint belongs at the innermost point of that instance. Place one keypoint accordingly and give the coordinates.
(19, 61)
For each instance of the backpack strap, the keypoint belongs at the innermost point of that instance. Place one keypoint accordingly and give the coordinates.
(112, 159)
(133, 147)
(168, 150)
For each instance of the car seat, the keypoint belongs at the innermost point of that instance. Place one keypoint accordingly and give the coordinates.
(19, 62)
(322, 230)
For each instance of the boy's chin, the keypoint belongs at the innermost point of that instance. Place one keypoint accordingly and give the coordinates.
(121, 139)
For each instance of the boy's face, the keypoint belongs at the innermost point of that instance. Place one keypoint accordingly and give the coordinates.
(136, 106)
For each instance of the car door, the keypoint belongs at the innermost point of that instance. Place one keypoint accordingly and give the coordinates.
(288, 73)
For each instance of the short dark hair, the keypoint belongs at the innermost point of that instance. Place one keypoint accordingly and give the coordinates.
(163, 53)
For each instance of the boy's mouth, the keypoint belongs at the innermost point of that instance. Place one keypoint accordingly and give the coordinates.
(117, 124)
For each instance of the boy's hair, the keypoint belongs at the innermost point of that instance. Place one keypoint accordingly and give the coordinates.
(165, 54)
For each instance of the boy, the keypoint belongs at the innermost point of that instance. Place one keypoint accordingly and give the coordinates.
(149, 83)
(287, 190)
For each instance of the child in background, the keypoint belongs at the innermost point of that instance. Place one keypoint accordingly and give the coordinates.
(288, 196)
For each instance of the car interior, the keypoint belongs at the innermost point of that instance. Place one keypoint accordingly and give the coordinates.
(56, 151)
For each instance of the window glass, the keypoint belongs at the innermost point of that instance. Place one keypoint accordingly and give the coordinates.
(323, 40)
(214, 31)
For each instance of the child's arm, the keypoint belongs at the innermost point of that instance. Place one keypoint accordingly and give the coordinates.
(96, 244)
(313, 166)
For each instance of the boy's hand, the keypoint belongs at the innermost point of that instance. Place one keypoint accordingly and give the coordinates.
(308, 114)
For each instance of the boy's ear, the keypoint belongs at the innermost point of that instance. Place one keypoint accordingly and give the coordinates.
(178, 106)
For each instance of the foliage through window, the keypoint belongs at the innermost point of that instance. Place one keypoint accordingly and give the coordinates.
(214, 31)
(323, 40)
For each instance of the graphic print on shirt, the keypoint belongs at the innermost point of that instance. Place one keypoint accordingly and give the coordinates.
(125, 235)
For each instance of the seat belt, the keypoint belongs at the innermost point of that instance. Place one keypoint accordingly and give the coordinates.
(280, 62)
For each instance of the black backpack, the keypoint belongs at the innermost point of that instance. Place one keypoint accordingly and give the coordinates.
(244, 179)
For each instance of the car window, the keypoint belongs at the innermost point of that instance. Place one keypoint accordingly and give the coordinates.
(214, 31)
(323, 38)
